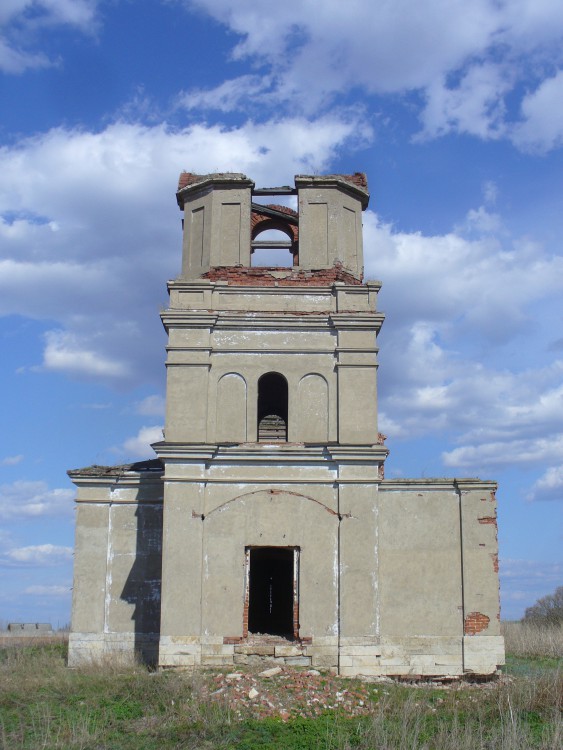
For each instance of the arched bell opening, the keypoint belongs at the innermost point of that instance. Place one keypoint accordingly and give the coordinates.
(272, 408)
(273, 247)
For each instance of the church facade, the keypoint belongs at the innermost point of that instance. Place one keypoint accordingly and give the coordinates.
(265, 529)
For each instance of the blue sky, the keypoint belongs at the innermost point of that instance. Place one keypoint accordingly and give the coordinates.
(453, 108)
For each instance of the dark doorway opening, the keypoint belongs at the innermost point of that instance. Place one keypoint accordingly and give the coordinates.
(272, 408)
(272, 591)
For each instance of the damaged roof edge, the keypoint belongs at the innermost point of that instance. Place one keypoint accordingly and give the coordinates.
(150, 465)
(189, 181)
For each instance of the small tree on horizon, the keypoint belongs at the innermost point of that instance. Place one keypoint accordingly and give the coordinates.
(546, 611)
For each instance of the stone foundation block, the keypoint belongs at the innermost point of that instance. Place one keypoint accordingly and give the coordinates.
(259, 650)
(324, 661)
(298, 661)
(289, 650)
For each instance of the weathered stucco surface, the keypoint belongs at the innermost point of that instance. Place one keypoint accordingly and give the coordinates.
(380, 576)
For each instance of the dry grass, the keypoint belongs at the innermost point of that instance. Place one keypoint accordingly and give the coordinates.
(529, 640)
(43, 704)
(54, 638)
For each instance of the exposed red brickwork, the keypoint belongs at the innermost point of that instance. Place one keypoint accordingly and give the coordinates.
(245, 618)
(494, 556)
(358, 178)
(260, 222)
(188, 178)
(295, 611)
(257, 215)
(488, 519)
(243, 276)
(476, 622)
(284, 209)
(232, 639)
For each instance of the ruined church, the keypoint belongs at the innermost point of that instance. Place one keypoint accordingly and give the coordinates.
(265, 528)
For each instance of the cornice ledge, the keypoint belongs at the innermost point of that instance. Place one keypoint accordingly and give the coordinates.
(438, 483)
(358, 453)
(465, 484)
(185, 451)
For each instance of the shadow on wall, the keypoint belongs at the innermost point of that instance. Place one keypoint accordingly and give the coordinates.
(142, 588)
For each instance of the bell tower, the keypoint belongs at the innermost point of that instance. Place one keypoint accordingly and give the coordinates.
(272, 454)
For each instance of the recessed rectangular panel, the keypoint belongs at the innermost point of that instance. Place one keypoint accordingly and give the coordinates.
(230, 234)
(318, 228)
(196, 242)
(349, 237)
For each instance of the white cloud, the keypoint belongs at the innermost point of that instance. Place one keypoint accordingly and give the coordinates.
(482, 221)
(474, 105)
(542, 126)
(452, 302)
(139, 446)
(65, 352)
(228, 95)
(39, 554)
(550, 485)
(506, 452)
(21, 20)
(464, 58)
(16, 61)
(11, 460)
(23, 499)
(428, 278)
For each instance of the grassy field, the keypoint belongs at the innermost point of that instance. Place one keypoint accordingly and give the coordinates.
(43, 704)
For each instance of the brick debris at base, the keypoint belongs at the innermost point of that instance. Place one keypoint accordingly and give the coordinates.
(287, 692)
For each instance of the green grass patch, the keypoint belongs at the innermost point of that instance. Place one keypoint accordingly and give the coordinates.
(529, 666)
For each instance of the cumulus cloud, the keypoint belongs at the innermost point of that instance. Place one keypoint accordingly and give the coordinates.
(464, 59)
(505, 453)
(139, 446)
(541, 128)
(38, 555)
(21, 22)
(449, 300)
(64, 351)
(550, 485)
(414, 266)
(228, 96)
(474, 105)
(24, 499)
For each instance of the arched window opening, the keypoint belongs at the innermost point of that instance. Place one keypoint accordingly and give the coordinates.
(272, 248)
(272, 408)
